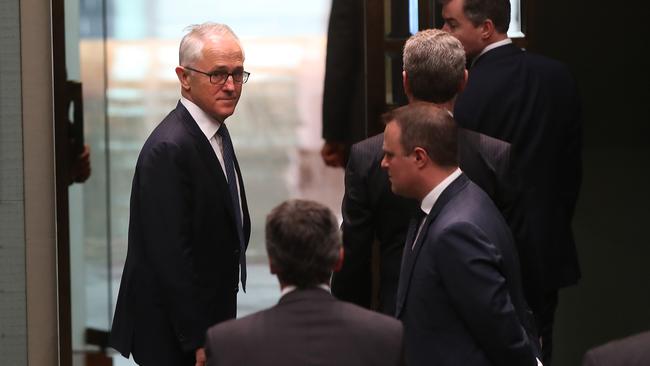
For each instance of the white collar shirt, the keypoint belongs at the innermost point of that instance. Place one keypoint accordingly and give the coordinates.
(209, 126)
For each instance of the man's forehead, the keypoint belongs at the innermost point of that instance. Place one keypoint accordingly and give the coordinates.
(222, 56)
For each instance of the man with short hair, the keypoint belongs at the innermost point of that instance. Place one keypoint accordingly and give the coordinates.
(434, 71)
(459, 294)
(530, 101)
(308, 326)
(189, 223)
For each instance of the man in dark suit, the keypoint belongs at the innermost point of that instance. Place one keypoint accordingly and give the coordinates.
(343, 87)
(189, 223)
(459, 294)
(531, 102)
(434, 71)
(308, 326)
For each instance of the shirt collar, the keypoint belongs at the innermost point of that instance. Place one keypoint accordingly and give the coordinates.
(289, 289)
(207, 124)
(430, 199)
(492, 46)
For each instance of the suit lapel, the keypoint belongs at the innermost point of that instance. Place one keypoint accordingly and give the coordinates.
(409, 257)
(209, 159)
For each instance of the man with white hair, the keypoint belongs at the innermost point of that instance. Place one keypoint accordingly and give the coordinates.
(189, 223)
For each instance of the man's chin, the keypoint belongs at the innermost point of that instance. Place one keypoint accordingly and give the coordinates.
(222, 113)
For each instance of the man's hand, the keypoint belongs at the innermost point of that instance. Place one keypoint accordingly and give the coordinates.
(200, 357)
(80, 168)
(333, 154)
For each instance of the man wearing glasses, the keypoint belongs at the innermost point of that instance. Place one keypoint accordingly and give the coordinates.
(189, 223)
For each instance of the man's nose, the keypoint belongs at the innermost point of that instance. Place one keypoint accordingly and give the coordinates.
(384, 163)
(229, 84)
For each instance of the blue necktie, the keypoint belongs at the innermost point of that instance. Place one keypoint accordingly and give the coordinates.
(229, 162)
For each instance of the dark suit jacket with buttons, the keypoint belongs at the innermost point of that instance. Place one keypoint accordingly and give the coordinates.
(531, 101)
(307, 327)
(459, 294)
(182, 266)
(372, 212)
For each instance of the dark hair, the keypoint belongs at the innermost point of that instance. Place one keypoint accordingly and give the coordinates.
(477, 11)
(303, 241)
(434, 62)
(429, 127)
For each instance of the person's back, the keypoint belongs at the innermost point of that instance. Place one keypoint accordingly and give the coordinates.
(306, 327)
(633, 350)
(531, 102)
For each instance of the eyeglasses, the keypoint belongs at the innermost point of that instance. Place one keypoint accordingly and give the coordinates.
(220, 77)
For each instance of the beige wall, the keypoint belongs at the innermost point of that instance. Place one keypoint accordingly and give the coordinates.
(28, 306)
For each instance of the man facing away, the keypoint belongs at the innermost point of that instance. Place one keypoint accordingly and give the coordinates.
(308, 326)
(459, 294)
(434, 72)
(530, 101)
(189, 223)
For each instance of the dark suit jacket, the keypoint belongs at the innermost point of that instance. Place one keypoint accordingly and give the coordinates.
(630, 351)
(343, 111)
(307, 327)
(181, 271)
(372, 212)
(531, 102)
(459, 294)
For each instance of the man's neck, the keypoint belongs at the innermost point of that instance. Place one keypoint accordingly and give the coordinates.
(448, 105)
(434, 178)
(495, 41)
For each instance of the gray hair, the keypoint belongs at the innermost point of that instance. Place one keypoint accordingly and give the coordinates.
(303, 241)
(434, 62)
(192, 43)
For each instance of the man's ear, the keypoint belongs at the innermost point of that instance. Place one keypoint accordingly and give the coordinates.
(405, 85)
(487, 29)
(339, 262)
(183, 77)
(421, 157)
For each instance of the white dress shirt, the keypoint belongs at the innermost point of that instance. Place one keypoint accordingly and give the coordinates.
(209, 126)
(430, 199)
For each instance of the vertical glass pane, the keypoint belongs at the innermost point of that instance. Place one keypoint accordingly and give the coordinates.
(414, 24)
(388, 76)
(514, 31)
(89, 241)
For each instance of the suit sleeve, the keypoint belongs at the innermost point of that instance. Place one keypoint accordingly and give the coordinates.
(165, 203)
(353, 282)
(469, 268)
